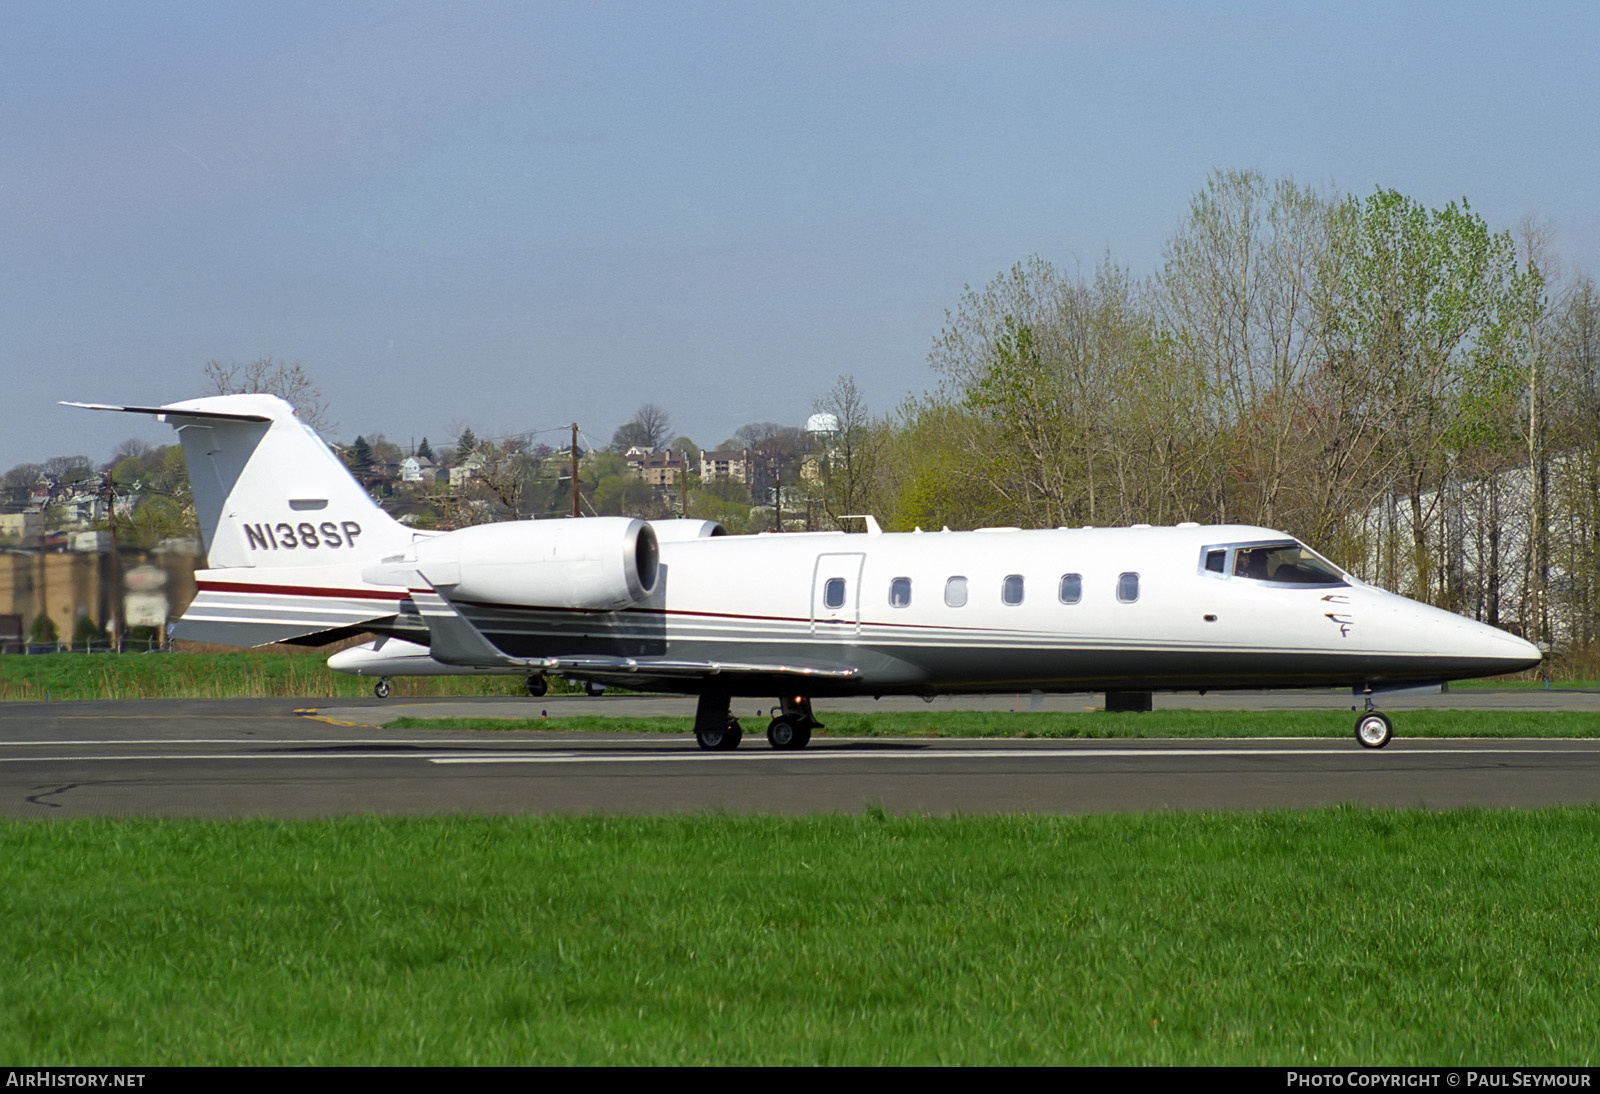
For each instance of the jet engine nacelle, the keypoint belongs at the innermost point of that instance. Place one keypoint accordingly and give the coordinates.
(678, 529)
(599, 563)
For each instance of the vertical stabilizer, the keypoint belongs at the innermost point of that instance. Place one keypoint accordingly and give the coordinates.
(267, 491)
(271, 493)
(270, 498)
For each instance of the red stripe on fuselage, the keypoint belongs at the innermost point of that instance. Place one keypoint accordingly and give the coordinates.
(299, 590)
(692, 613)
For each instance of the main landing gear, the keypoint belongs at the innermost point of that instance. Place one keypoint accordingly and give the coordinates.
(715, 727)
(1373, 728)
(717, 730)
(536, 685)
(381, 688)
(792, 728)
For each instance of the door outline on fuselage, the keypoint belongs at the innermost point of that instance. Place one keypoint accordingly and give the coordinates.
(845, 620)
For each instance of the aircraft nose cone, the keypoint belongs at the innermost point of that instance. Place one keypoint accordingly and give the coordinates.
(1520, 648)
(1501, 650)
(1457, 647)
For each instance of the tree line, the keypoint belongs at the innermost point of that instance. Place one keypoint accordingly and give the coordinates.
(1409, 391)
(1414, 394)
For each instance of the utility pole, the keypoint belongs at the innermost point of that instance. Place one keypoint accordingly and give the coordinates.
(575, 469)
(114, 601)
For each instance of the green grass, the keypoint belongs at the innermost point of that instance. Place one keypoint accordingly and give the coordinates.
(1501, 684)
(1094, 724)
(254, 674)
(1334, 937)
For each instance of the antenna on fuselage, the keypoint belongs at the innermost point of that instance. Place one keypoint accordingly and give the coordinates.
(872, 522)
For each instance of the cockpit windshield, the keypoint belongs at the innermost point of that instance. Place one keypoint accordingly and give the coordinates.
(1287, 563)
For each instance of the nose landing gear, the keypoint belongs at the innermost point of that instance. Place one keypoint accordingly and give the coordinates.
(1373, 728)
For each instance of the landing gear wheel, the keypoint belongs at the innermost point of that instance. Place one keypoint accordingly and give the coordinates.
(1373, 729)
(536, 685)
(786, 732)
(592, 689)
(381, 688)
(721, 739)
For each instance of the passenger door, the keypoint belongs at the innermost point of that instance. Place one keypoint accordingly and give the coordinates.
(836, 596)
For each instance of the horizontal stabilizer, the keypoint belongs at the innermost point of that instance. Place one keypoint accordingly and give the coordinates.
(176, 410)
(245, 608)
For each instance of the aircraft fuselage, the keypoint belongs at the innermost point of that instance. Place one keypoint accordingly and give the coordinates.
(1065, 609)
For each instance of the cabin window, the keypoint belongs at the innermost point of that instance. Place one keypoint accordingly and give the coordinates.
(1217, 561)
(1011, 590)
(900, 592)
(1071, 588)
(955, 592)
(833, 593)
(1128, 588)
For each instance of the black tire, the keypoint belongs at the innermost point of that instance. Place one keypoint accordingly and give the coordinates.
(592, 689)
(724, 739)
(536, 685)
(787, 733)
(381, 689)
(1373, 729)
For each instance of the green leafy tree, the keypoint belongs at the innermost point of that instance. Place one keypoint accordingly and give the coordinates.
(86, 632)
(1418, 319)
(42, 632)
(360, 458)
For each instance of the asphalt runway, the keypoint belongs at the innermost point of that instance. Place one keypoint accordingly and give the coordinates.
(310, 758)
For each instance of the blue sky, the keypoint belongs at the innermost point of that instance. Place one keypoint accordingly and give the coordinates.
(517, 215)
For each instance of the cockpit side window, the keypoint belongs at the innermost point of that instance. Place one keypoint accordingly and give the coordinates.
(1284, 564)
(1217, 560)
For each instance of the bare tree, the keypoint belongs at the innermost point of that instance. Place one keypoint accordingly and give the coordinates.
(775, 455)
(848, 455)
(1238, 292)
(286, 380)
(649, 429)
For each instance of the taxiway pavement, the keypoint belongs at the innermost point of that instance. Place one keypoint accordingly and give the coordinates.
(286, 758)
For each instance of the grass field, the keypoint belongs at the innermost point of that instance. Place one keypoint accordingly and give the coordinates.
(1330, 937)
(253, 674)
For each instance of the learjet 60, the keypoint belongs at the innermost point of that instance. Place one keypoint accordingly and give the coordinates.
(297, 551)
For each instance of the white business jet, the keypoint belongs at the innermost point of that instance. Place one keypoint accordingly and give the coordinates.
(299, 552)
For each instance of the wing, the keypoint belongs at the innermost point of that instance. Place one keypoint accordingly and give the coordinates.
(453, 640)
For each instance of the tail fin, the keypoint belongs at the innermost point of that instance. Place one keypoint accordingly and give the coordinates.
(270, 496)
